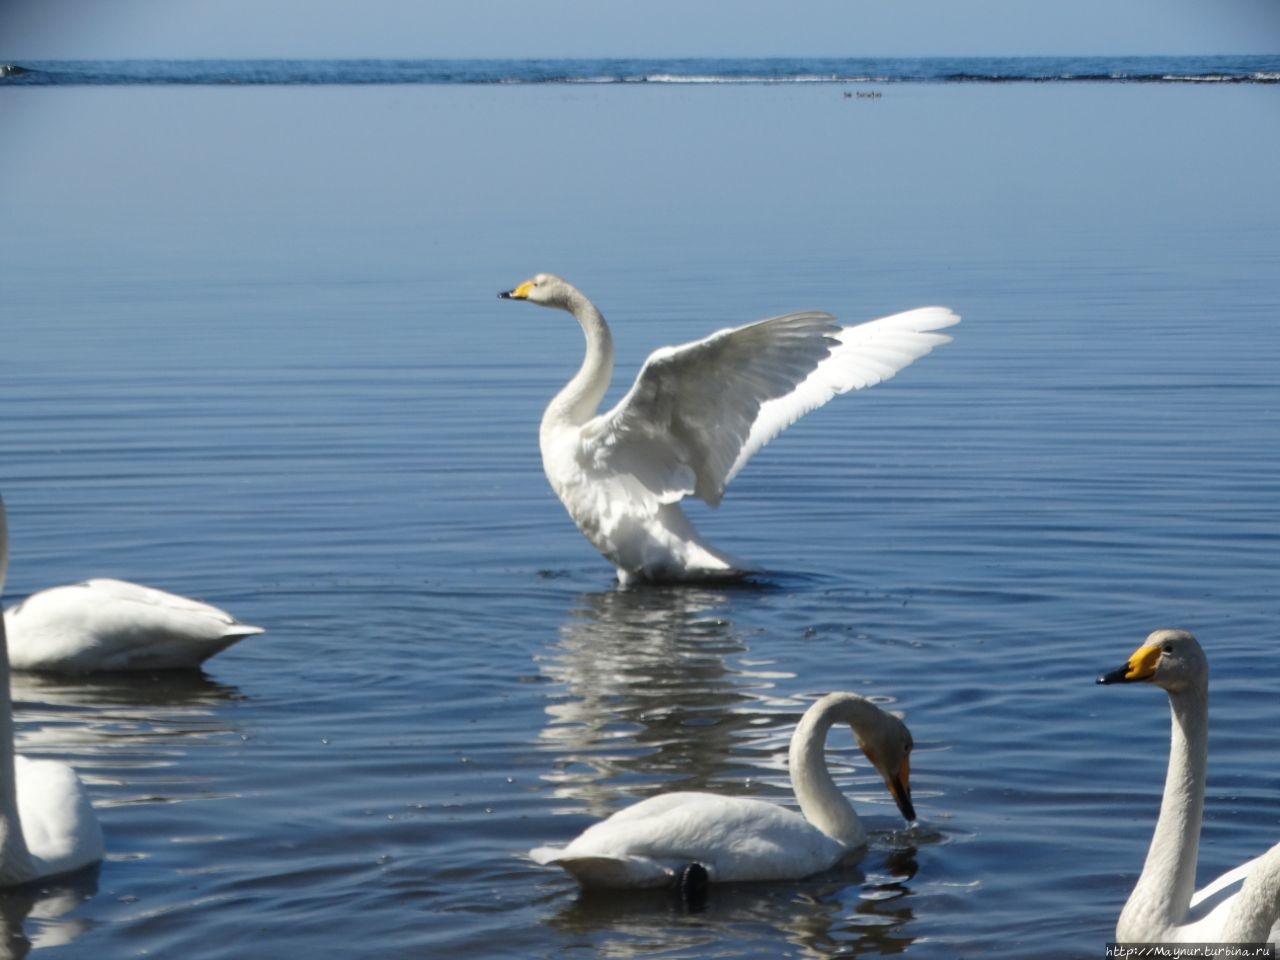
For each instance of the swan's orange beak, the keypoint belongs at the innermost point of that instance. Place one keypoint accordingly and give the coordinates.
(1141, 665)
(519, 293)
(899, 784)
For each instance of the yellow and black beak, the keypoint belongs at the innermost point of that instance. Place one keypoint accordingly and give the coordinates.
(519, 293)
(1141, 665)
(899, 784)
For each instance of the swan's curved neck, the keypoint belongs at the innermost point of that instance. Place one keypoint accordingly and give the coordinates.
(578, 401)
(1162, 895)
(16, 865)
(820, 799)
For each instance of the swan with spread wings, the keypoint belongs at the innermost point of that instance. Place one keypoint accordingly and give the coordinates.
(696, 413)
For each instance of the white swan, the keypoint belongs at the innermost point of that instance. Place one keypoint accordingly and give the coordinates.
(103, 625)
(47, 826)
(1241, 906)
(654, 842)
(694, 416)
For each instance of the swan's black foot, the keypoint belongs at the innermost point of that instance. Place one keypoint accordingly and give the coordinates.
(693, 884)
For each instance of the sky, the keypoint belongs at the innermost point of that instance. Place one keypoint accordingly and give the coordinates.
(106, 29)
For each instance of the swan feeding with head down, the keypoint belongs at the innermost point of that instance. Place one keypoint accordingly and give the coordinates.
(658, 841)
(47, 825)
(695, 415)
(1242, 905)
(109, 625)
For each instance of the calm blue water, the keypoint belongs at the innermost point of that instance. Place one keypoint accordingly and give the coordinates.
(252, 353)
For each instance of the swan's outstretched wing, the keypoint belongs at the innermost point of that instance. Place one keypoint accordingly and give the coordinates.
(699, 411)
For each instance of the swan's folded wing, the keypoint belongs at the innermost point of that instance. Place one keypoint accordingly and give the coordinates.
(159, 599)
(1223, 887)
(1239, 906)
(167, 612)
(699, 411)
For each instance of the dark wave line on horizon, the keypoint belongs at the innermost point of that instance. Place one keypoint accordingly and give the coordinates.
(1249, 69)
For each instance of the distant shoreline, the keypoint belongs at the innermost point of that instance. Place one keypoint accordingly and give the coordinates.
(1245, 69)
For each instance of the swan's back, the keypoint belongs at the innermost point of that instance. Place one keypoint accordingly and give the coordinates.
(57, 819)
(1241, 906)
(106, 624)
(735, 838)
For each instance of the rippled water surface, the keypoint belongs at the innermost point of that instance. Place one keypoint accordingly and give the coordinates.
(252, 353)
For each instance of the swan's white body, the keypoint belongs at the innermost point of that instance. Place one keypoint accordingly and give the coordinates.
(695, 415)
(47, 825)
(104, 625)
(739, 838)
(1241, 906)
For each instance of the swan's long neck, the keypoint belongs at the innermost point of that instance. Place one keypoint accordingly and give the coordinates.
(821, 801)
(578, 401)
(16, 865)
(1163, 893)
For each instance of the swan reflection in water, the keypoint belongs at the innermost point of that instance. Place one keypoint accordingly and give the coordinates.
(36, 917)
(104, 720)
(659, 691)
(657, 683)
(852, 910)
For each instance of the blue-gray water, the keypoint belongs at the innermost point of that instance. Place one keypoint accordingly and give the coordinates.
(252, 353)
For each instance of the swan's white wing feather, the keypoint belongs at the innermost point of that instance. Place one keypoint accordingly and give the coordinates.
(692, 407)
(159, 599)
(1228, 882)
(867, 354)
(699, 411)
(1240, 905)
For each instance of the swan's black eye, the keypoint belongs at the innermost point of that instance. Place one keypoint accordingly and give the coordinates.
(1167, 648)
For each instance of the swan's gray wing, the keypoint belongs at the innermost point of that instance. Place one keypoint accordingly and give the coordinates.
(699, 411)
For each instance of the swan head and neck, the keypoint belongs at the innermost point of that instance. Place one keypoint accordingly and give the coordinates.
(883, 738)
(1174, 661)
(16, 864)
(580, 399)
